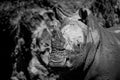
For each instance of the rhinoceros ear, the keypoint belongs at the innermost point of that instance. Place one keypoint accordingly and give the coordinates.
(94, 28)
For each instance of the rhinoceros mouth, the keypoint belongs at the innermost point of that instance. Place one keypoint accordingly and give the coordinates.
(58, 58)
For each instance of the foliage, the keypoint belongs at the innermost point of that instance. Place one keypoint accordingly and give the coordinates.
(107, 11)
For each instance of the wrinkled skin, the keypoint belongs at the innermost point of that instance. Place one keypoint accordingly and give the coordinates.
(100, 53)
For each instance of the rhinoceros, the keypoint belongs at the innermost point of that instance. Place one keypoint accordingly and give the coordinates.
(96, 57)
